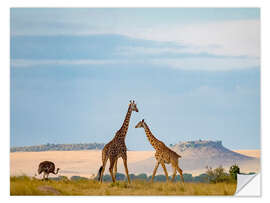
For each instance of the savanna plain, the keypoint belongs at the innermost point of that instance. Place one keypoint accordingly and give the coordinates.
(23, 185)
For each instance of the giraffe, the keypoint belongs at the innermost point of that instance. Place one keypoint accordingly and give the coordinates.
(116, 148)
(164, 155)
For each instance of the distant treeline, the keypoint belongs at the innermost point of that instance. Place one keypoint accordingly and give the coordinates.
(58, 147)
(160, 178)
(210, 176)
(143, 176)
(204, 178)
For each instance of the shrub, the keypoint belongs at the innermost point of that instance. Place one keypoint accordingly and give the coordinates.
(132, 176)
(201, 178)
(217, 175)
(120, 176)
(142, 176)
(78, 178)
(107, 178)
(187, 177)
(160, 178)
(234, 170)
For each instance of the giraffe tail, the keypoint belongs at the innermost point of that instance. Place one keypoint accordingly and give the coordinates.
(99, 173)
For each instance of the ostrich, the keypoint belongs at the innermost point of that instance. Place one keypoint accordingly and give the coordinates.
(47, 167)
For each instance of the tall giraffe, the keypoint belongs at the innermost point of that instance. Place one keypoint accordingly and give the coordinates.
(164, 155)
(117, 147)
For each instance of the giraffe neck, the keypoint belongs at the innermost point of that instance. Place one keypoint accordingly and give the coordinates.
(152, 139)
(124, 128)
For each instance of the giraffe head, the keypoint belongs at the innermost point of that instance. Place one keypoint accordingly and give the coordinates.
(133, 106)
(140, 124)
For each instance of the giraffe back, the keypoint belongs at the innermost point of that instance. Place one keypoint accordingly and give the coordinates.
(165, 154)
(115, 148)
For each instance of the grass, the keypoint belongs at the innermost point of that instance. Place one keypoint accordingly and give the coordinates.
(23, 185)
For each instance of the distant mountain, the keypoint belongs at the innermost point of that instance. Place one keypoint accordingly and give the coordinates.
(58, 147)
(208, 153)
(196, 155)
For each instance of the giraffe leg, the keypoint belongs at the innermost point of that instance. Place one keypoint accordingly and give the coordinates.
(155, 170)
(103, 168)
(112, 161)
(115, 169)
(165, 170)
(181, 173)
(43, 176)
(126, 168)
(174, 173)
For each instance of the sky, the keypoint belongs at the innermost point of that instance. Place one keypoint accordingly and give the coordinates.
(193, 72)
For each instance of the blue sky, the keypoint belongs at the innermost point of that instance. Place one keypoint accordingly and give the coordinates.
(195, 74)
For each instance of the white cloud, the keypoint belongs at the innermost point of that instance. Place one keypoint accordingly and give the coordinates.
(208, 64)
(227, 38)
(234, 37)
(222, 38)
(188, 64)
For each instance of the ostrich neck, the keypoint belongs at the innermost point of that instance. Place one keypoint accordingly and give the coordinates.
(56, 171)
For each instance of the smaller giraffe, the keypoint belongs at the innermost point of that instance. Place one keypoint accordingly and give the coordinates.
(164, 155)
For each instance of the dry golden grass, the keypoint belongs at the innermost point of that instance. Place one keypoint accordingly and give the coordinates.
(23, 185)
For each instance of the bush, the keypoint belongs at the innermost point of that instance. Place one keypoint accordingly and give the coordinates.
(159, 178)
(132, 176)
(201, 178)
(217, 175)
(120, 176)
(142, 176)
(78, 178)
(187, 177)
(107, 178)
(234, 170)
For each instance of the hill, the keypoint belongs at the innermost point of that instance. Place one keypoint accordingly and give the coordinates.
(58, 147)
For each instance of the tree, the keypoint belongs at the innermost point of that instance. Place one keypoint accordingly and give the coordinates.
(234, 170)
(107, 178)
(201, 178)
(78, 178)
(217, 174)
(142, 176)
(132, 176)
(187, 177)
(160, 178)
(120, 176)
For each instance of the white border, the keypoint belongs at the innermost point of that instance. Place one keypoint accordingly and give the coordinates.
(5, 99)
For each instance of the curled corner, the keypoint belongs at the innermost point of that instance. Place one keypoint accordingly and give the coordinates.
(248, 185)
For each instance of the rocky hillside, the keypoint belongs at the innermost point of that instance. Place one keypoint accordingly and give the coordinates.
(208, 150)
